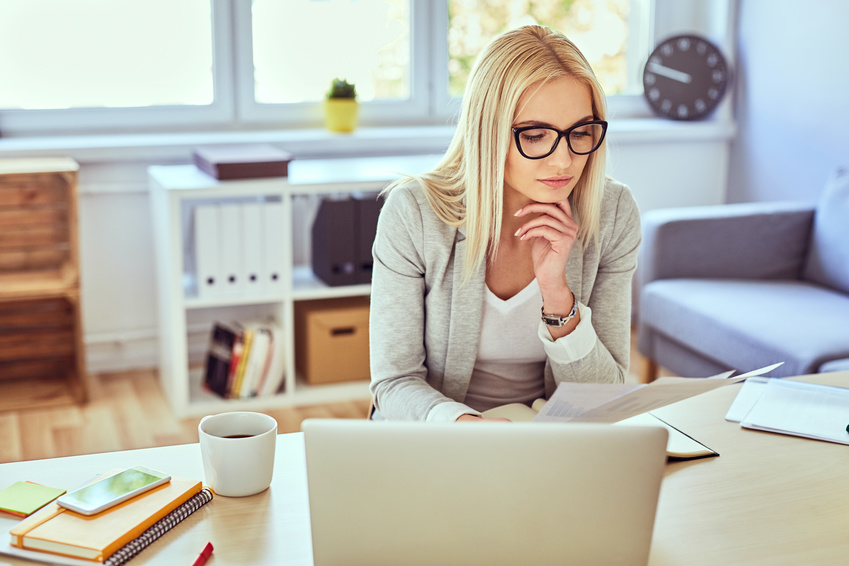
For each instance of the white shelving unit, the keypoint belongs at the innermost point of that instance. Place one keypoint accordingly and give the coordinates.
(174, 191)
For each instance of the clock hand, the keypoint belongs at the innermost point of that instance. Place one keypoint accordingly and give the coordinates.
(670, 73)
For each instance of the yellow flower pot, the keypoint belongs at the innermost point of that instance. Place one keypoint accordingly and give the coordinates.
(341, 114)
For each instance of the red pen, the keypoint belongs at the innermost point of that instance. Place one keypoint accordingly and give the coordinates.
(204, 555)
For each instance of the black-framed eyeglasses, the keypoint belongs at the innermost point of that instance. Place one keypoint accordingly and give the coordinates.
(536, 142)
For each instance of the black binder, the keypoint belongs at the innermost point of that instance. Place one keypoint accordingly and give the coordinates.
(342, 237)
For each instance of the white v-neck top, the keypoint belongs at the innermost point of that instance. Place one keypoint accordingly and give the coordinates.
(510, 364)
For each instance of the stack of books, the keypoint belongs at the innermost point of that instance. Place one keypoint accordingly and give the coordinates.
(245, 360)
(113, 536)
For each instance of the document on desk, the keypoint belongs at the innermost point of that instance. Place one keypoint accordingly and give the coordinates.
(746, 399)
(610, 403)
(801, 409)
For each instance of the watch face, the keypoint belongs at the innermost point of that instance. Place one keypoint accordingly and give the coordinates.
(685, 78)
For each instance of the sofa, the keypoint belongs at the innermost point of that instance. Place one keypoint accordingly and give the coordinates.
(742, 286)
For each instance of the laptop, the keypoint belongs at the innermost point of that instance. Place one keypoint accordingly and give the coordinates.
(405, 493)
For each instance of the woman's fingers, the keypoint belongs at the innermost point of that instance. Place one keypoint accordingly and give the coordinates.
(550, 233)
(561, 210)
(548, 227)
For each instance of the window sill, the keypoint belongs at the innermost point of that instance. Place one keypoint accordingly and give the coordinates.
(313, 143)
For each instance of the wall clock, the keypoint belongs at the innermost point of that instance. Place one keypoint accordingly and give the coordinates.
(685, 78)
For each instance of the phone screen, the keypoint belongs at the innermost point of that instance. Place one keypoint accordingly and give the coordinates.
(109, 489)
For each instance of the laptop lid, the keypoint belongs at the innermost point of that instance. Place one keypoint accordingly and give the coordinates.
(481, 493)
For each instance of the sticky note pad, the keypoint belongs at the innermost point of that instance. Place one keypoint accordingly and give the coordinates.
(24, 498)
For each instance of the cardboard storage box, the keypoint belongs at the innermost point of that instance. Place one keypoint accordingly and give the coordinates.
(331, 339)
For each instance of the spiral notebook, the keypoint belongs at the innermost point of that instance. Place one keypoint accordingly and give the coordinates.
(171, 520)
(113, 536)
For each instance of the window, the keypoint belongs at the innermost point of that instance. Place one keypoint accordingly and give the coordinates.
(136, 65)
(119, 65)
(366, 42)
(600, 28)
(56, 54)
(410, 58)
(382, 46)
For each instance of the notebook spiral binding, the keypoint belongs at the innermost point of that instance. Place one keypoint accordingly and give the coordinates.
(172, 519)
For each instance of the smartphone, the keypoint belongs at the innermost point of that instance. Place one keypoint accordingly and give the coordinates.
(111, 491)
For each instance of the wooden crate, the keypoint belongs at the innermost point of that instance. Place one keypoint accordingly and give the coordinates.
(38, 227)
(41, 354)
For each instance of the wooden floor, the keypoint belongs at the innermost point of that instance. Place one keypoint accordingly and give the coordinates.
(128, 410)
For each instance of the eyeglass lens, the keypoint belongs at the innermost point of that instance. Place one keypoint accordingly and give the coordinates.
(539, 142)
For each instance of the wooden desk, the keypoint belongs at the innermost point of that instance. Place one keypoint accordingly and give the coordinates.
(768, 499)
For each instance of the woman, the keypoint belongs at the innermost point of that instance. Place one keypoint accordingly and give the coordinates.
(518, 218)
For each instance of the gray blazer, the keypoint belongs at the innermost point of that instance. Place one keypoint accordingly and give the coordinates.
(424, 326)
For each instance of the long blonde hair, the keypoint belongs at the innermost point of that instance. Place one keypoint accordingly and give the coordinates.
(466, 186)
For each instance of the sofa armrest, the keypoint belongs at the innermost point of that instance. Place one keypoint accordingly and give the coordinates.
(740, 241)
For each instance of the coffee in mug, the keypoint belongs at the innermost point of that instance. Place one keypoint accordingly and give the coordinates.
(238, 452)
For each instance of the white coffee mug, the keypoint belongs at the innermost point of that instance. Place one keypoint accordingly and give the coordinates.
(238, 452)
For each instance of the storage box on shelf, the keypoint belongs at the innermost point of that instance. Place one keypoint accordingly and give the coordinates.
(187, 311)
(41, 353)
(331, 339)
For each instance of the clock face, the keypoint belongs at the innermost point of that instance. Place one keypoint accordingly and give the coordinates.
(685, 78)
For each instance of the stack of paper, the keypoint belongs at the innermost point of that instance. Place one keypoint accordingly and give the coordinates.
(626, 404)
(791, 407)
(610, 403)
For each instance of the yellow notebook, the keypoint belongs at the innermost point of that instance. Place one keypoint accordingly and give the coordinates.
(61, 531)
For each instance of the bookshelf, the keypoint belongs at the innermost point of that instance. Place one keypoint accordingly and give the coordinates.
(186, 315)
(41, 351)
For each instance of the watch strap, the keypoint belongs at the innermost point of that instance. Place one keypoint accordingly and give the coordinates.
(557, 320)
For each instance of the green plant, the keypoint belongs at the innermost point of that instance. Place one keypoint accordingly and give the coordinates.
(340, 88)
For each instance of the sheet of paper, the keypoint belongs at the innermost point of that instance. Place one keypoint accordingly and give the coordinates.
(761, 371)
(571, 400)
(802, 409)
(608, 403)
(746, 399)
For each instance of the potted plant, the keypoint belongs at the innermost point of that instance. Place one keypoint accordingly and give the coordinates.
(341, 109)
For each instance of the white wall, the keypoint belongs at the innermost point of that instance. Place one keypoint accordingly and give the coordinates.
(792, 99)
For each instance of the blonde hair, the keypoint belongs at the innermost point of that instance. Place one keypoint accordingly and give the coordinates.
(466, 186)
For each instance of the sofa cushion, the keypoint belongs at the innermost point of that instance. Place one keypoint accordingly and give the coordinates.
(748, 324)
(828, 258)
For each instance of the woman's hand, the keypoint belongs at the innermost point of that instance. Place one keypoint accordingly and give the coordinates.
(474, 418)
(554, 231)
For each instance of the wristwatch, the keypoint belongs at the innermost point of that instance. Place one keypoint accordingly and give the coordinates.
(556, 319)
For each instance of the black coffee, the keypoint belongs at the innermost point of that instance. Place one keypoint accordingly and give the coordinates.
(238, 436)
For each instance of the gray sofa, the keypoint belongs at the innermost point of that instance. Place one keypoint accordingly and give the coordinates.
(743, 286)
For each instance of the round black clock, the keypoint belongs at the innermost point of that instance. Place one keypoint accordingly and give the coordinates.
(685, 78)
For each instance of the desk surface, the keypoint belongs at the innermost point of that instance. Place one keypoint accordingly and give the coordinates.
(768, 499)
